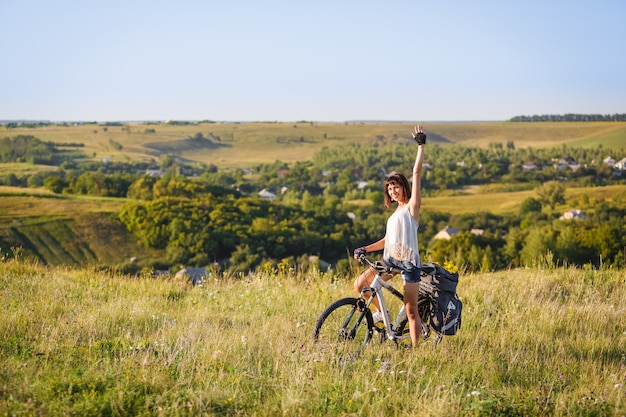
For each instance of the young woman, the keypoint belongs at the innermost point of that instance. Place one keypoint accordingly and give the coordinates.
(399, 245)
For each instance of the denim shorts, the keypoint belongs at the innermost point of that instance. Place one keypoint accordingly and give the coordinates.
(410, 273)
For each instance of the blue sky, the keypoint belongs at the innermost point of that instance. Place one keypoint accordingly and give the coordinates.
(237, 60)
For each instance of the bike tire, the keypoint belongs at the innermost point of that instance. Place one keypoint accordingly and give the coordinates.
(340, 330)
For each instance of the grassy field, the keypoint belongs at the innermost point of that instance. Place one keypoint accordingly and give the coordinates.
(21, 169)
(76, 342)
(509, 202)
(244, 145)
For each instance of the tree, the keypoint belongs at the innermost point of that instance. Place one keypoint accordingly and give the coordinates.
(11, 180)
(54, 184)
(538, 246)
(529, 205)
(551, 193)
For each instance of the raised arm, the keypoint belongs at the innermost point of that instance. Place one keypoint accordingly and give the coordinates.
(416, 194)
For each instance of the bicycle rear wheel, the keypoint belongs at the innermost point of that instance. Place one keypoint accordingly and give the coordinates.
(344, 327)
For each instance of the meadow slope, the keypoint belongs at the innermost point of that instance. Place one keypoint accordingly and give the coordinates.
(534, 342)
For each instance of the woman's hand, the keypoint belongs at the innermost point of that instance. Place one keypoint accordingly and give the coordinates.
(358, 252)
(419, 136)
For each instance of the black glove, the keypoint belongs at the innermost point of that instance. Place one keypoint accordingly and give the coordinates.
(358, 252)
(420, 138)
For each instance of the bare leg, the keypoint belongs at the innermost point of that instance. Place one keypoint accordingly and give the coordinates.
(365, 280)
(411, 293)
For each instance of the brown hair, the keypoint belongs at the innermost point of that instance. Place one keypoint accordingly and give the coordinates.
(396, 179)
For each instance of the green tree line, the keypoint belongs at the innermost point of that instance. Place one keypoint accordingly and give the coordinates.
(571, 117)
(27, 148)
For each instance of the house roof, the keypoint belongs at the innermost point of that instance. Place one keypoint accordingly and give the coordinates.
(446, 233)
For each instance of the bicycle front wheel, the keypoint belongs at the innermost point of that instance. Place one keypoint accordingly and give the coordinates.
(344, 327)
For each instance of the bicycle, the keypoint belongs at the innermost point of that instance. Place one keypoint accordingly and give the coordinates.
(347, 326)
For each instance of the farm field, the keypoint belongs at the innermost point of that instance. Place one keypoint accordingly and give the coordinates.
(244, 145)
(509, 202)
(90, 343)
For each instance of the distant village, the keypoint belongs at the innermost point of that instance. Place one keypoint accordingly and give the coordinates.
(198, 275)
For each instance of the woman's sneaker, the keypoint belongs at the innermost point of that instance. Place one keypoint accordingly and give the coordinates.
(378, 316)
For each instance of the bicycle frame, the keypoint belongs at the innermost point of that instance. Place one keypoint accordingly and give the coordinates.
(376, 291)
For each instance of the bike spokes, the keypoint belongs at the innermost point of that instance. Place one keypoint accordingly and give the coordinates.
(344, 328)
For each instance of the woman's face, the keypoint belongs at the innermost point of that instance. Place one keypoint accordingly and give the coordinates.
(395, 191)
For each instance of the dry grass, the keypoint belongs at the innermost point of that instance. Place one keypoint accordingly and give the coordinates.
(78, 342)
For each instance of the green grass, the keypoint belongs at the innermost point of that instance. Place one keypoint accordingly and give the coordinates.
(509, 202)
(20, 203)
(608, 138)
(22, 168)
(534, 342)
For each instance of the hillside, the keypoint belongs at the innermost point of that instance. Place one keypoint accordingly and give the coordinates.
(244, 145)
(68, 231)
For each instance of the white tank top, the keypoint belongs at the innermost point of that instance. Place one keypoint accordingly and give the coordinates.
(401, 237)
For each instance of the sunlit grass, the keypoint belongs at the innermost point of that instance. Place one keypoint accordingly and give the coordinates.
(80, 342)
(23, 203)
(22, 168)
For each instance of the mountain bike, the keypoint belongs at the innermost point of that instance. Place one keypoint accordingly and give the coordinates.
(346, 326)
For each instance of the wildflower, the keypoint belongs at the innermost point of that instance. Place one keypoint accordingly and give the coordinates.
(475, 393)
(619, 386)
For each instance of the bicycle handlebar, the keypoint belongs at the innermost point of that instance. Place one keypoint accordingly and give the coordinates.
(380, 267)
(425, 269)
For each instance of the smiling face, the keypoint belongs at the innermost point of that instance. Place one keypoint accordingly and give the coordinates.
(395, 191)
(397, 188)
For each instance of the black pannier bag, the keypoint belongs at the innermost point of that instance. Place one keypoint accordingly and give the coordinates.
(445, 307)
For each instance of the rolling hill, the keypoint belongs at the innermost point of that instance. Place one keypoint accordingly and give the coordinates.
(243, 145)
